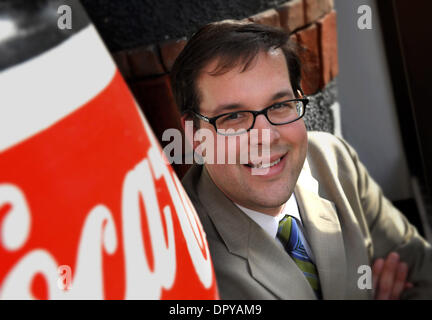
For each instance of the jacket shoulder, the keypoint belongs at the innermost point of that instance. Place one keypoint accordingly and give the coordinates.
(327, 149)
(325, 142)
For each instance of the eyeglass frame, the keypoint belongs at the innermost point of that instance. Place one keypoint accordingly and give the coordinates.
(255, 114)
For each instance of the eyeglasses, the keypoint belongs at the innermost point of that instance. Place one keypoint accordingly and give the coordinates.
(239, 122)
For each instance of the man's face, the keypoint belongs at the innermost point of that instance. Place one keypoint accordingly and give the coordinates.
(266, 82)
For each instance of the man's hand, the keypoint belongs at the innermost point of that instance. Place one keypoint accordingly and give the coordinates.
(389, 277)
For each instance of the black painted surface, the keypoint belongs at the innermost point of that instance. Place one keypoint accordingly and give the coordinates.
(408, 48)
(35, 28)
(132, 23)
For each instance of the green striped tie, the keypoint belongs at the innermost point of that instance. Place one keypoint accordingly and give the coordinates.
(289, 235)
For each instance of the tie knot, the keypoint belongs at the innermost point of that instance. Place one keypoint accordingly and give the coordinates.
(290, 235)
(286, 219)
(284, 229)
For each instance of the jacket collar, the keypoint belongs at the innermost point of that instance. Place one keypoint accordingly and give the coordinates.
(324, 234)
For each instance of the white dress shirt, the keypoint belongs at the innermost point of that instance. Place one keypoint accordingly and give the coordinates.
(270, 224)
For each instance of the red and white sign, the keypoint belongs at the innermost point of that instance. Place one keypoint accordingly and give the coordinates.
(89, 206)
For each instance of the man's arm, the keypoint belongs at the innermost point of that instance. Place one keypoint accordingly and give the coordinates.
(392, 232)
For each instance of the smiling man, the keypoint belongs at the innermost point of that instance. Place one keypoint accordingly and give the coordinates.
(303, 226)
(248, 91)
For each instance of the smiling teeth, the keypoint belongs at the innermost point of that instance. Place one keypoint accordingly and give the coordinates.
(264, 166)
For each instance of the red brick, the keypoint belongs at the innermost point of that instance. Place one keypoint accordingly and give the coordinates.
(329, 48)
(156, 101)
(170, 50)
(121, 60)
(291, 15)
(269, 17)
(314, 9)
(310, 58)
(144, 61)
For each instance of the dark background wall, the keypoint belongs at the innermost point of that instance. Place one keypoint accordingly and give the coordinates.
(132, 23)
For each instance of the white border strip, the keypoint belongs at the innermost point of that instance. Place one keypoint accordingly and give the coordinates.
(43, 90)
(337, 119)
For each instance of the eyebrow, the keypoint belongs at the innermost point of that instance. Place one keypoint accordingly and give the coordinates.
(286, 93)
(236, 106)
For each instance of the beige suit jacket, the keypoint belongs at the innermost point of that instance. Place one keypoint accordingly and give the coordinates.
(348, 223)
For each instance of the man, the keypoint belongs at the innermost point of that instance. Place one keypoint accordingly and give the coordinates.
(311, 218)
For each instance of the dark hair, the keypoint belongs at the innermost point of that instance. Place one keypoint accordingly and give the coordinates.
(233, 44)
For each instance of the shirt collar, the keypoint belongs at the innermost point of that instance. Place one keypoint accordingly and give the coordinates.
(269, 223)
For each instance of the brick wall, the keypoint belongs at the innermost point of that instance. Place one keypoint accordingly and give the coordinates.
(311, 23)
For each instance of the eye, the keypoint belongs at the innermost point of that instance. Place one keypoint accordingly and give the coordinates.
(280, 106)
(232, 116)
(287, 105)
(276, 106)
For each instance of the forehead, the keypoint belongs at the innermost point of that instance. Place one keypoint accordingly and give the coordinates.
(266, 75)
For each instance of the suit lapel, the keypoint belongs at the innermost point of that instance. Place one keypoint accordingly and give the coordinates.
(324, 235)
(230, 222)
(274, 269)
(270, 265)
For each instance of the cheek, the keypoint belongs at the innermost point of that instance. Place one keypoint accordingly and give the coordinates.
(295, 134)
(231, 149)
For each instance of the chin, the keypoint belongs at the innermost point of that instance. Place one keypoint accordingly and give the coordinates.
(269, 199)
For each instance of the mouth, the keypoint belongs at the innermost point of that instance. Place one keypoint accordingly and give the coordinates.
(270, 169)
(264, 165)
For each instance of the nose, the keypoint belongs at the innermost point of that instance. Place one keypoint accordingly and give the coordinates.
(262, 125)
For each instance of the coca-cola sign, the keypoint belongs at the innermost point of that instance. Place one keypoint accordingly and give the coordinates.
(89, 206)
